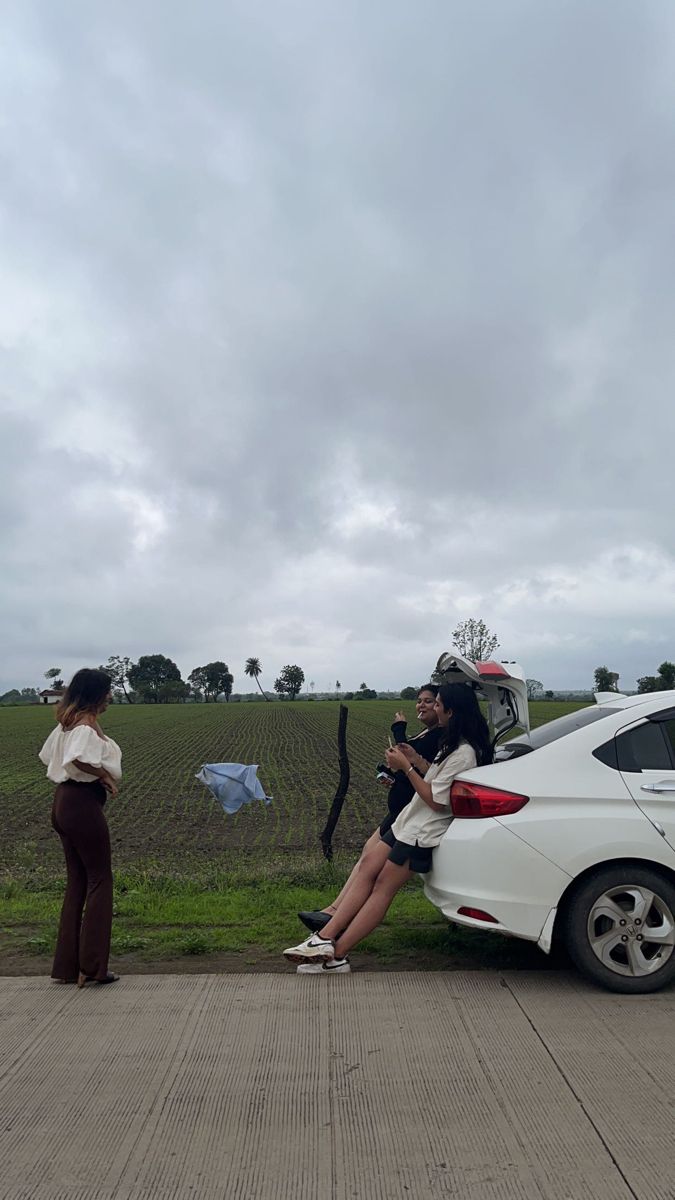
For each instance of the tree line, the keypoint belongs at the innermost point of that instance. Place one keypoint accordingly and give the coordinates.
(156, 679)
(663, 681)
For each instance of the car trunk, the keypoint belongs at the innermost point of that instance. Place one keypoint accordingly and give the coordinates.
(501, 685)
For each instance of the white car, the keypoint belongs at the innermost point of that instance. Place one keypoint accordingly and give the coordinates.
(570, 835)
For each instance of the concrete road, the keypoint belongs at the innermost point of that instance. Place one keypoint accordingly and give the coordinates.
(468, 1085)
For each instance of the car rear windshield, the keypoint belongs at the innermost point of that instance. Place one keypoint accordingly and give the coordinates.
(552, 730)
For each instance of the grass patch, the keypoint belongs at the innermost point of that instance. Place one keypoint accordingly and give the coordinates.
(162, 917)
(38, 945)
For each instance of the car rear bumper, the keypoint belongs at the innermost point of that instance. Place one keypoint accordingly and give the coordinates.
(481, 864)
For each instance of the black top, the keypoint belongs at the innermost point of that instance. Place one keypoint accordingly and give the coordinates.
(426, 744)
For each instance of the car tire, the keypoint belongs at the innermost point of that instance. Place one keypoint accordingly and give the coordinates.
(616, 936)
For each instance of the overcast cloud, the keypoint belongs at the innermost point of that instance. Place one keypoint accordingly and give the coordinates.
(326, 325)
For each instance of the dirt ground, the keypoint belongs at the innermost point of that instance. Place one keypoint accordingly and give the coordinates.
(247, 963)
(256, 961)
(193, 964)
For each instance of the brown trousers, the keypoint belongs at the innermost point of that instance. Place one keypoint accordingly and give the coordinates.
(83, 942)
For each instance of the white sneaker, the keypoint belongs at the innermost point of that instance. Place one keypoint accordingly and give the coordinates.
(315, 948)
(333, 966)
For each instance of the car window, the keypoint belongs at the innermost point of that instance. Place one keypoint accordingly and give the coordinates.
(669, 730)
(552, 730)
(644, 748)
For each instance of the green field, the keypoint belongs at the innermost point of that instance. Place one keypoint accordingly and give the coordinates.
(189, 879)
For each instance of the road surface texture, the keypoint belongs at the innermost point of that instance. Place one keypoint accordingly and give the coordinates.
(382, 1085)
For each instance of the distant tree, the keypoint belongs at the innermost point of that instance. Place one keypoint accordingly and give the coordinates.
(338, 687)
(25, 696)
(666, 676)
(290, 681)
(118, 668)
(363, 687)
(534, 689)
(648, 683)
(253, 669)
(150, 673)
(197, 682)
(348, 696)
(474, 640)
(408, 693)
(605, 680)
(366, 693)
(51, 675)
(174, 691)
(663, 681)
(218, 679)
(210, 681)
(549, 694)
(311, 686)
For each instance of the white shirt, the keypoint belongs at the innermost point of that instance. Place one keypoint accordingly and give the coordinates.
(420, 825)
(63, 746)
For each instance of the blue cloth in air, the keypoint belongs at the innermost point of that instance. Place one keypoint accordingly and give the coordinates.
(233, 784)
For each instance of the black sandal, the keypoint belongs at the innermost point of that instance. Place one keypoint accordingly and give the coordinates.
(86, 979)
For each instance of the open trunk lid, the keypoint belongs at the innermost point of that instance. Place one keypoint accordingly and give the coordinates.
(502, 685)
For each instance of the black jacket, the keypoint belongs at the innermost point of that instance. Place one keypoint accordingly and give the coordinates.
(425, 743)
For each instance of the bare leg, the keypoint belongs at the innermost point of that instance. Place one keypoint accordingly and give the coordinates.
(370, 866)
(373, 840)
(389, 881)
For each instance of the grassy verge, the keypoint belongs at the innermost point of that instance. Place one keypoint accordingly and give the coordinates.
(245, 917)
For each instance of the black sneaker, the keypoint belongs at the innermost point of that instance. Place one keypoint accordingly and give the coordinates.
(315, 920)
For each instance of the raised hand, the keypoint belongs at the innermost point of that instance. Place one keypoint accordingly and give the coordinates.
(396, 758)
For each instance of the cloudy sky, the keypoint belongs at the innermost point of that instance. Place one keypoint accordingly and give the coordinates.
(326, 325)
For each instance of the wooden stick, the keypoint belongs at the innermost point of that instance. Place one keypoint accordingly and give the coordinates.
(326, 837)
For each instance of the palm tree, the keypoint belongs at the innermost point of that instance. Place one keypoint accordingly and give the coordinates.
(253, 668)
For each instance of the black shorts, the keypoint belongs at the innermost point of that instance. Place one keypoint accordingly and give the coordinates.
(417, 858)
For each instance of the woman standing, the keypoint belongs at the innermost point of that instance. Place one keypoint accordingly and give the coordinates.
(86, 766)
(407, 847)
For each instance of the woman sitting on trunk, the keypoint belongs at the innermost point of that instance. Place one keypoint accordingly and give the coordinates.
(407, 848)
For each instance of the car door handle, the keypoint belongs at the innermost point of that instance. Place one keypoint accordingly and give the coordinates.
(665, 785)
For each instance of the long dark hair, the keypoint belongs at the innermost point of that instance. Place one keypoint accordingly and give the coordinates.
(85, 694)
(467, 723)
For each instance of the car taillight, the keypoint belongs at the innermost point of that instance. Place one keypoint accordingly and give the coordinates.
(476, 800)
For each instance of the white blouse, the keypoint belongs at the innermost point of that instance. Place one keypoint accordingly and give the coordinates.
(63, 746)
(417, 824)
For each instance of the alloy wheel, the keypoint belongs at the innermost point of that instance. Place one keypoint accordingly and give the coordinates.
(631, 930)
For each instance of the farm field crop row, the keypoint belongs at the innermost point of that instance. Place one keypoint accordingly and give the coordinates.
(163, 816)
(195, 889)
